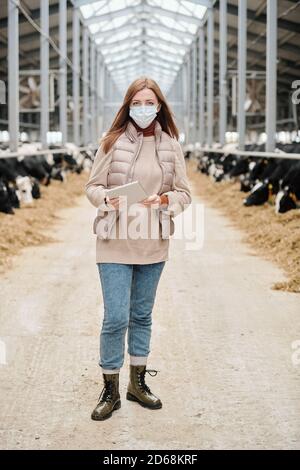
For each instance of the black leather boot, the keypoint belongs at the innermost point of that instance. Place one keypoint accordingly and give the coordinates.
(138, 391)
(109, 399)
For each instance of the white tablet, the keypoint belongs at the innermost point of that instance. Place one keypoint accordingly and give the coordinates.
(134, 192)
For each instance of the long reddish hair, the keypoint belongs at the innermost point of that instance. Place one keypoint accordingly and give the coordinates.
(164, 115)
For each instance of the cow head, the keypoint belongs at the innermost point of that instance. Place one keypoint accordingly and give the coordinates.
(285, 201)
(5, 203)
(259, 194)
(24, 191)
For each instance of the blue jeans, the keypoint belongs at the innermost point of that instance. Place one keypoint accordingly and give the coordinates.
(128, 295)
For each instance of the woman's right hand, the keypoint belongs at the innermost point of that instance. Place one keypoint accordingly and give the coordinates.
(115, 201)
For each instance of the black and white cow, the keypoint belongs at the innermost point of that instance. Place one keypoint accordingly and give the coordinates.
(265, 179)
(269, 181)
(6, 200)
(288, 196)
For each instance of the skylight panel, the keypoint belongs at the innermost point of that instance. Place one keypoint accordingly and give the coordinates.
(97, 7)
(120, 48)
(116, 22)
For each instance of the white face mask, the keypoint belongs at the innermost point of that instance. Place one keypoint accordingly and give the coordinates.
(143, 115)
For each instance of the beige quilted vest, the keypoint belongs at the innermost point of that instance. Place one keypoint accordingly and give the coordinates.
(125, 152)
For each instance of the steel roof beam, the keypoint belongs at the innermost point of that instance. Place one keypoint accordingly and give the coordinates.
(262, 18)
(159, 55)
(144, 24)
(203, 3)
(140, 9)
(179, 48)
(145, 56)
(145, 61)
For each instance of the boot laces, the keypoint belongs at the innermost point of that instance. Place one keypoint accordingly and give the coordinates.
(142, 378)
(106, 392)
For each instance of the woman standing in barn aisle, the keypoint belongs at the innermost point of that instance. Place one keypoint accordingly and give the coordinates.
(141, 144)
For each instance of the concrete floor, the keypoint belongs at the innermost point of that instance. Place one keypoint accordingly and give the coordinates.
(222, 341)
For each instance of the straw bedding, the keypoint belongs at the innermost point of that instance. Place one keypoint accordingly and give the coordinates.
(274, 236)
(25, 227)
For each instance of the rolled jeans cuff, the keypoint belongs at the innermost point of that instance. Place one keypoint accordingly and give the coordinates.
(138, 360)
(110, 371)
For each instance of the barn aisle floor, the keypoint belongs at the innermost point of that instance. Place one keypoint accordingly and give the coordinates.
(222, 341)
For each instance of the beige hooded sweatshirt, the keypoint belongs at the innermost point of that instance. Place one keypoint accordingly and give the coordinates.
(150, 247)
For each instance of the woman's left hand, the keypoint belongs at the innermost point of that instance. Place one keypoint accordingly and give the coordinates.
(153, 199)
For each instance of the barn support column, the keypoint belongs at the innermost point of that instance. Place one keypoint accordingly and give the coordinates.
(102, 78)
(85, 86)
(13, 74)
(44, 80)
(271, 75)
(63, 70)
(242, 62)
(76, 75)
(98, 99)
(210, 76)
(194, 84)
(179, 98)
(93, 96)
(223, 73)
(105, 97)
(201, 86)
(188, 109)
(180, 95)
(184, 74)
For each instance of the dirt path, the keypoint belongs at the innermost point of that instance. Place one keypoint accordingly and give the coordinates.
(222, 341)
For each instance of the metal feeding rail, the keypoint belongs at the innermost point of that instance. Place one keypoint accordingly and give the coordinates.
(249, 153)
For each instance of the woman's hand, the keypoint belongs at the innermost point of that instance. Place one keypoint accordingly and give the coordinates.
(156, 199)
(153, 199)
(115, 201)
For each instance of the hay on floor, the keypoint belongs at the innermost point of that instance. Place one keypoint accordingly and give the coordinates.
(274, 236)
(25, 227)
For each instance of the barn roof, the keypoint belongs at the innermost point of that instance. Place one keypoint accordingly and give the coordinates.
(153, 36)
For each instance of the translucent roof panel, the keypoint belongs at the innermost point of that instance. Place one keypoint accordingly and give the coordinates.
(148, 37)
